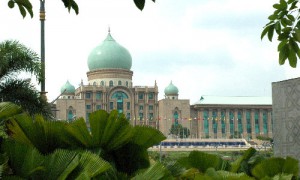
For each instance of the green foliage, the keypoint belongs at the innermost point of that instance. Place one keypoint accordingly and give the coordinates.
(16, 58)
(156, 171)
(25, 6)
(110, 137)
(180, 131)
(285, 23)
(202, 161)
(212, 174)
(140, 3)
(242, 163)
(26, 162)
(276, 166)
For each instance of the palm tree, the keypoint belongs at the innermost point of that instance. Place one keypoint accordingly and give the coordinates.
(16, 58)
(110, 136)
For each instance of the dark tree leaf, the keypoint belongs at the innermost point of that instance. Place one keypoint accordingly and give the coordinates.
(281, 44)
(271, 32)
(11, 4)
(292, 58)
(283, 54)
(139, 4)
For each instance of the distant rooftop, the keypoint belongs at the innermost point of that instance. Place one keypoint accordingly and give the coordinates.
(235, 100)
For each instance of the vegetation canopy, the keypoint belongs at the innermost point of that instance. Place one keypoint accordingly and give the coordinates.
(25, 6)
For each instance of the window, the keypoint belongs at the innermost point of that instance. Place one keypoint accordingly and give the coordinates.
(128, 105)
(141, 115)
(150, 116)
(94, 83)
(88, 106)
(111, 83)
(119, 83)
(126, 83)
(98, 95)
(88, 95)
(150, 95)
(141, 95)
(150, 107)
(128, 116)
(141, 107)
(111, 105)
(102, 83)
(98, 107)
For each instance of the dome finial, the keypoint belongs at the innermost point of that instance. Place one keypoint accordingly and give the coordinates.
(108, 29)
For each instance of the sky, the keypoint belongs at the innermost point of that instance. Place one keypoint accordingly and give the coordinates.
(205, 47)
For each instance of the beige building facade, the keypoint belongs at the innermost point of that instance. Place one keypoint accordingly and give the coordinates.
(109, 87)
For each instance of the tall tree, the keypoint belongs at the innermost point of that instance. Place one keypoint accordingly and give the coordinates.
(16, 58)
(285, 22)
(25, 6)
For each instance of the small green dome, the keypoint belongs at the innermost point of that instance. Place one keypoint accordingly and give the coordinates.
(67, 88)
(171, 90)
(109, 54)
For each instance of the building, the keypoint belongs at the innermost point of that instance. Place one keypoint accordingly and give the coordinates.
(230, 117)
(109, 87)
(172, 110)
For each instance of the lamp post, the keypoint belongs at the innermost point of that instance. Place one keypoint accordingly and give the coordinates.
(42, 19)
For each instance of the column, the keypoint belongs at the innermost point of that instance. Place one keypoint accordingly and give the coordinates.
(270, 125)
(244, 123)
(227, 123)
(252, 116)
(219, 122)
(200, 133)
(210, 128)
(261, 122)
(235, 122)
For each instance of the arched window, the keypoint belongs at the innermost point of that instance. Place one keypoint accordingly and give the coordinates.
(111, 83)
(119, 96)
(126, 83)
(94, 83)
(102, 83)
(119, 83)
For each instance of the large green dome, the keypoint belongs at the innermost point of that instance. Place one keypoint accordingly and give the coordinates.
(171, 90)
(109, 55)
(70, 89)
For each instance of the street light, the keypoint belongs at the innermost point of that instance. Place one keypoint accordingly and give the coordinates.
(42, 19)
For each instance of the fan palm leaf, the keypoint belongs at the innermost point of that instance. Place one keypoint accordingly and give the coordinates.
(43, 135)
(110, 131)
(8, 109)
(276, 166)
(202, 161)
(212, 174)
(156, 171)
(242, 163)
(25, 161)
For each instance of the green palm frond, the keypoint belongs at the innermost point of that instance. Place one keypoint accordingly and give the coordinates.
(60, 164)
(91, 165)
(242, 162)
(43, 135)
(24, 94)
(211, 173)
(8, 109)
(25, 161)
(110, 131)
(77, 134)
(146, 136)
(276, 166)
(202, 161)
(156, 171)
(16, 58)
